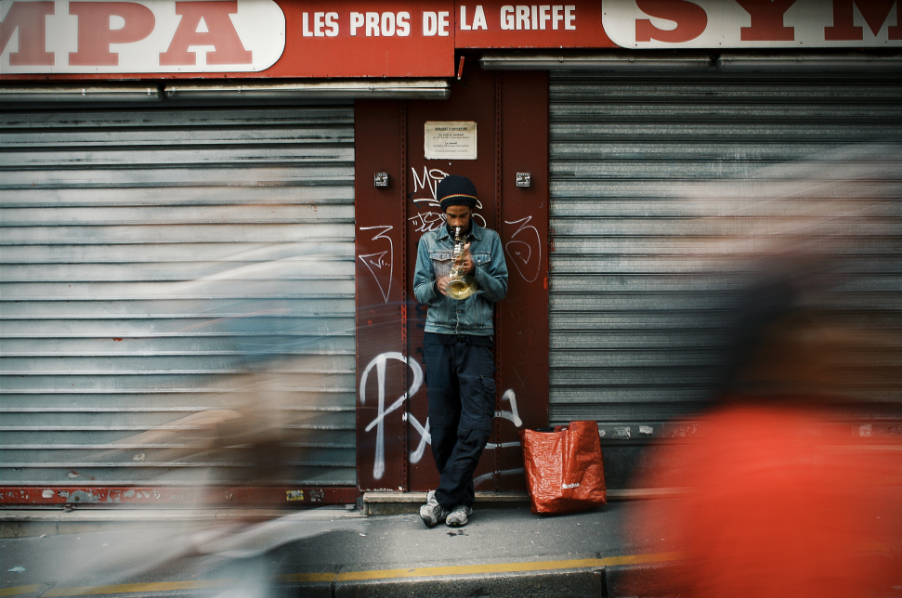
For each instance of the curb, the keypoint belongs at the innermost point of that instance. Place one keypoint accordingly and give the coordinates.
(26, 523)
(22, 523)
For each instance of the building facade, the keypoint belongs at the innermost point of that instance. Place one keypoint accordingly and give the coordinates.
(210, 214)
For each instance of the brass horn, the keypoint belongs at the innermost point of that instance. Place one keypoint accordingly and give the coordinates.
(461, 285)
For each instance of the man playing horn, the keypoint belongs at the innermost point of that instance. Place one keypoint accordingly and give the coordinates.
(460, 274)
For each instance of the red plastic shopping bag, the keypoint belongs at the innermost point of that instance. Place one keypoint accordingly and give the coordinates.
(564, 471)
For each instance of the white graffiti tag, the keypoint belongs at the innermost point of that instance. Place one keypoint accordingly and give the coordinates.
(512, 415)
(379, 363)
(379, 261)
(425, 438)
(430, 179)
(521, 250)
(423, 222)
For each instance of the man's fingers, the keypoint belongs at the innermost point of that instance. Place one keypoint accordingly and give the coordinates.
(466, 263)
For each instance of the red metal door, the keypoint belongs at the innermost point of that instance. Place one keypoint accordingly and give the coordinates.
(511, 113)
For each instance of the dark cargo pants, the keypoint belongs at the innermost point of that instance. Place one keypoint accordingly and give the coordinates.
(460, 377)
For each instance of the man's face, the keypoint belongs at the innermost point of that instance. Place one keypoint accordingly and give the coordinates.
(458, 216)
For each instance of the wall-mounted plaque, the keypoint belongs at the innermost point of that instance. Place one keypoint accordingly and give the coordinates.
(450, 140)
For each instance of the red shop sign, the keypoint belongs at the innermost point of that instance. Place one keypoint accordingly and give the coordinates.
(111, 39)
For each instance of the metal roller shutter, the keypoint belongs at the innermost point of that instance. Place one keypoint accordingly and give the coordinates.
(634, 341)
(163, 266)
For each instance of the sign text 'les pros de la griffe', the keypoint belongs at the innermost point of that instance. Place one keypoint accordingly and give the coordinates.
(348, 38)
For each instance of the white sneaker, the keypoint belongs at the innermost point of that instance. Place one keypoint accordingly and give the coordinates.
(432, 513)
(459, 516)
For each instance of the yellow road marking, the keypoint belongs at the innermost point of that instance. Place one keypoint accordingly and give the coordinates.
(592, 563)
(469, 569)
(19, 590)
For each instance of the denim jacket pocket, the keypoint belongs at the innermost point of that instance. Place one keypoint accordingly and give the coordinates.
(481, 259)
(441, 262)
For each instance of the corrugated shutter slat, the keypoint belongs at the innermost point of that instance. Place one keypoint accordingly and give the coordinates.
(156, 265)
(636, 331)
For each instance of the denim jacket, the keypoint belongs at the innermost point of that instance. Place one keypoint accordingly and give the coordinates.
(472, 315)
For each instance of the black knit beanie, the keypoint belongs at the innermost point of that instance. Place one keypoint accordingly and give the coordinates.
(455, 190)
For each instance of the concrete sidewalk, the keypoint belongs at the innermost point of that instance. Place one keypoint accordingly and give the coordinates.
(329, 552)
